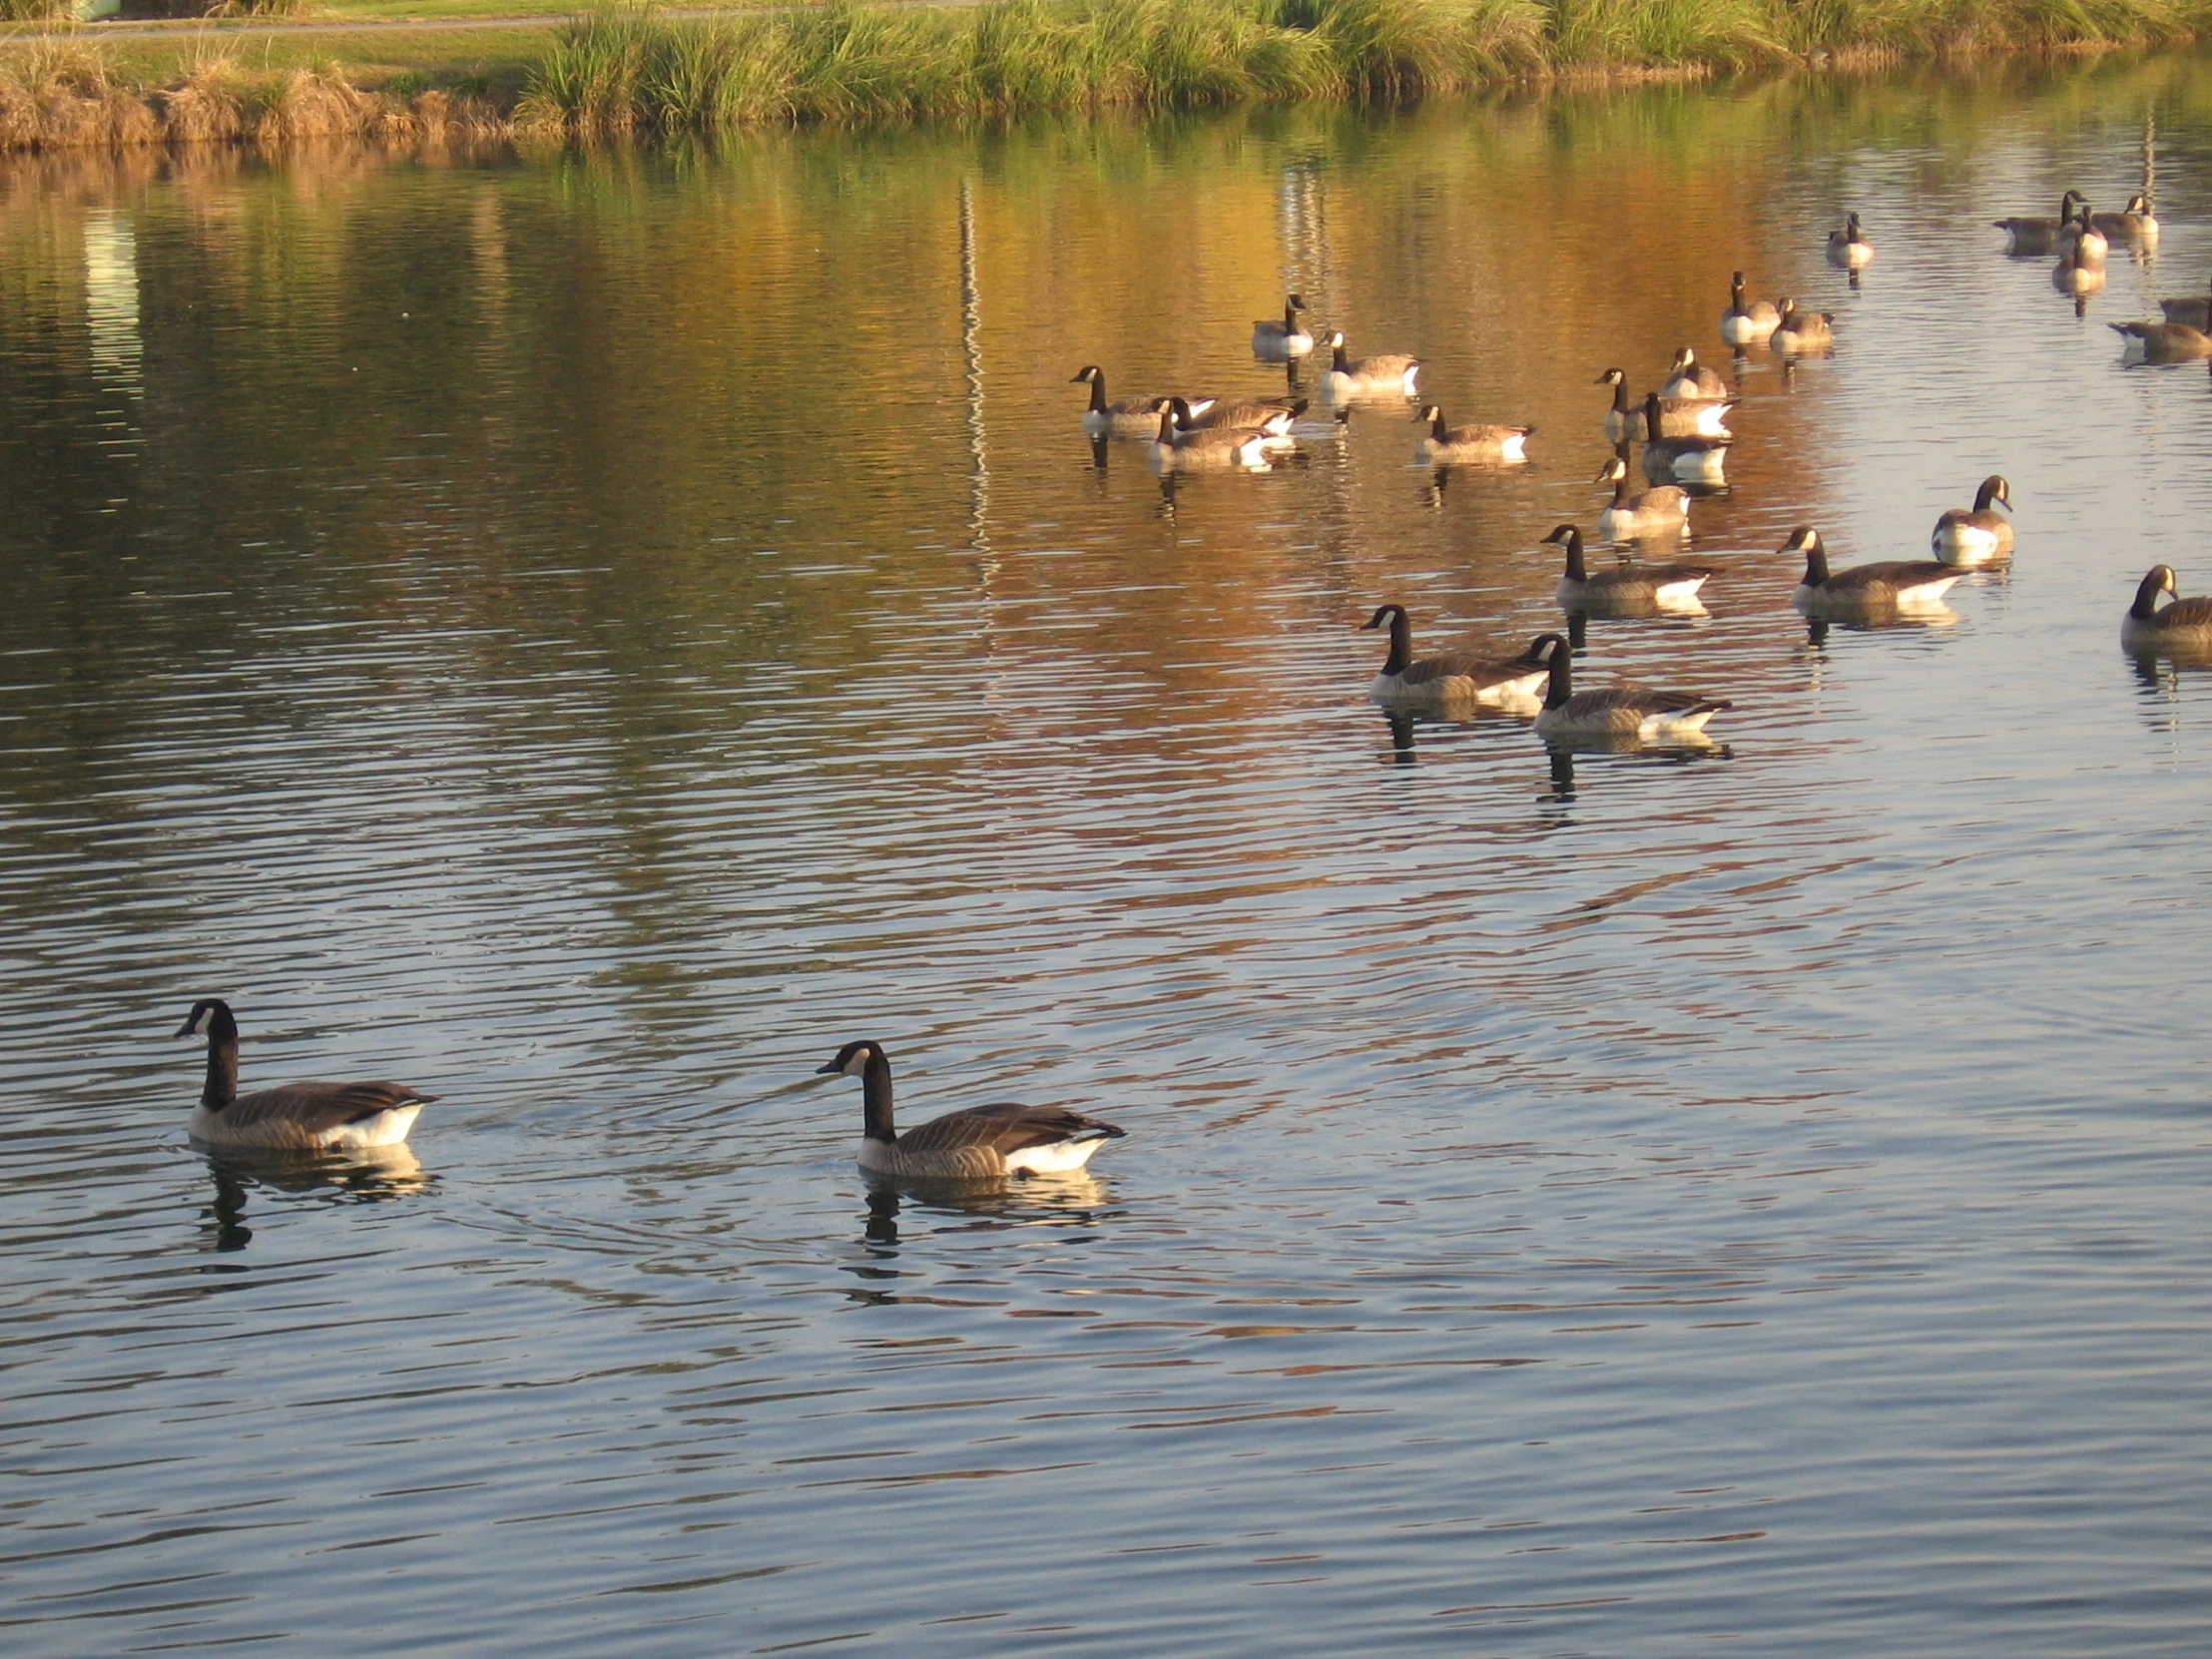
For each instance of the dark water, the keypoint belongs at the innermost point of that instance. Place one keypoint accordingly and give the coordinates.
(589, 635)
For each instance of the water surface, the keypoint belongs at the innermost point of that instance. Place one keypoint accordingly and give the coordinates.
(588, 635)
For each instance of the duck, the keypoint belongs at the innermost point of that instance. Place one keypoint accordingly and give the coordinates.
(1977, 535)
(1687, 377)
(1368, 376)
(2184, 625)
(1279, 341)
(1849, 248)
(2083, 234)
(2080, 268)
(2136, 224)
(980, 1143)
(1174, 446)
(2194, 311)
(1447, 445)
(1457, 677)
(1132, 418)
(1801, 334)
(1697, 460)
(1661, 510)
(1271, 415)
(2162, 342)
(1679, 417)
(2039, 236)
(292, 1117)
(1628, 589)
(1619, 711)
(1746, 324)
(1865, 590)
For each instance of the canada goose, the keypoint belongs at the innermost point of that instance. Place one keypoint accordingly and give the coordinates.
(2184, 625)
(2039, 236)
(1661, 510)
(327, 1117)
(2083, 234)
(1173, 448)
(1132, 418)
(1445, 446)
(1277, 342)
(2162, 342)
(1978, 536)
(1687, 377)
(1273, 415)
(2137, 225)
(2195, 311)
(978, 1144)
(1457, 677)
(1864, 590)
(2080, 268)
(1629, 589)
(1696, 460)
(1801, 334)
(1679, 417)
(1619, 711)
(1368, 376)
(1743, 325)
(1848, 246)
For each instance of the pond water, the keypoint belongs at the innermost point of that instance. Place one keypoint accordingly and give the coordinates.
(587, 635)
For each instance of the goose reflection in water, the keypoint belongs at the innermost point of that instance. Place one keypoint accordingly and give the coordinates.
(378, 1174)
(1941, 617)
(1074, 1199)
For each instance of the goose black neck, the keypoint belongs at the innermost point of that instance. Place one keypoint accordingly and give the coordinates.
(1166, 433)
(1401, 642)
(223, 1061)
(875, 1097)
(1816, 565)
(1436, 427)
(1736, 293)
(1984, 495)
(1098, 395)
(1561, 685)
(1620, 395)
(1338, 361)
(1575, 570)
(2146, 595)
(1620, 489)
(1290, 315)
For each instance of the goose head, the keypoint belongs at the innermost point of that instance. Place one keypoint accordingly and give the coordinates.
(1088, 372)
(211, 1015)
(852, 1060)
(1612, 472)
(1994, 489)
(1384, 616)
(1611, 378)
(1807, 540)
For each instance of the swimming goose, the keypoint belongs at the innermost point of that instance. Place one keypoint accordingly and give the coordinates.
(2184, 625)
(1696, 460)
(1679, 417)
(980, 1143)
(1687, 377)
(1848, 246)
(1801, 333)
(2028, 234)
(1445, 446)
(301, 1117)
(2080, 268)
(1662, 510)
(2083, 234)
(1271, 415)
(1132, 418)
(1209, 445)
(2196, 313)
(1978, 536)
(1629, 589)
(1743, 325)
(1620, 710)
(2137, 225)
(2162, 342)
(1379, 376)
(1457, 677)
(1864, 590)
(1277, 342)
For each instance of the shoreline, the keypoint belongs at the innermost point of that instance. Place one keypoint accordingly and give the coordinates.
(666, 72)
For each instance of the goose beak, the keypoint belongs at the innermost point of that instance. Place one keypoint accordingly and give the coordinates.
(829, 1070)
(185, 1030)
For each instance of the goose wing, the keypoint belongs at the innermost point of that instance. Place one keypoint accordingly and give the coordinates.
(1890, 573)
(1387, 365)
(1462, 665)
(1488, 435)
(1641, 701)
(2187, 613)
(1257, 413)
(1004, 1128)
(321, 1107)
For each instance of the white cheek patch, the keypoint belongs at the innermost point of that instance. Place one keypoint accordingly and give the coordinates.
(199, 1025)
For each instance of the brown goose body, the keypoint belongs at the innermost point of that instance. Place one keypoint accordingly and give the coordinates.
(2028, 234)
(1280, 342)
(1630, 590)
(294, 1117)
(2185, 625)
(1745, 323)
(1664, 509)
(2164, 342)
(1801, 334)
(980, 1143)
(1445, 446)
(1453, 678)
(1977, 535)
(1865, 590)
(1687, 377)
(1618, 711)
(1679, 417)
(1273, 415)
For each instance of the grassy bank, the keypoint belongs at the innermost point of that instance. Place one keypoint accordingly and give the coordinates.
(632, 69)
